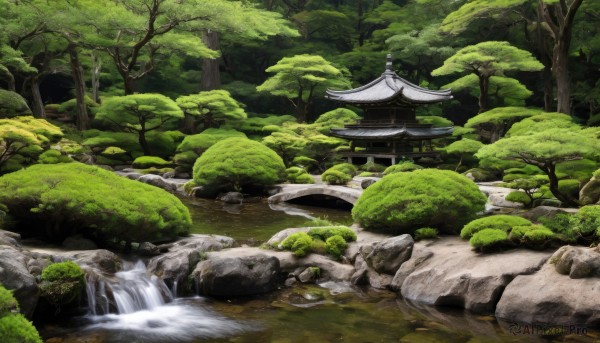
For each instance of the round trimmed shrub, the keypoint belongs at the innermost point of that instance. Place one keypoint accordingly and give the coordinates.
(403, 202)
(345, 168)
(373, 167)
(307, 163)
(237, 164)
(518, 196)
(300, 243)
(58, 199)
(14, 327)
(499, 222)
(323, 233)
(586, 222)
(569, 187)
(335, 246)
(12, 104)
(489, 240)
(401, 167)
(335, 177)
(52, 157)
(145, 162)
(298, 175)
(62, 283)
(480, 175)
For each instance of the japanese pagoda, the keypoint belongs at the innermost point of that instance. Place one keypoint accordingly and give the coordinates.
(389, 131)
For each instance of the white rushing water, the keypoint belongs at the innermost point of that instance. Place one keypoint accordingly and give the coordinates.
(146, 310)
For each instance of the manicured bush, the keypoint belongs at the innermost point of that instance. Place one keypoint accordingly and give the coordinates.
(403, 202)
(569, 188)
(335, 246)
(201, 142)
(518, 196)
(52, 157)
(8, 303)
(367, 174)
(335, 177)
(70, 106)
(345, 168)
(581, 170)
(235, 164)
(373, 167)
(160, 143)
(59, 199)
(145, 162)
(14, 327)
(586, 223)
(309, 164)
(425, 233)
(62, 283)
(12, 104)
(323, 233)
(489, 240)
(401, 167)
(298, 175)
(299, 243)
(499, 222)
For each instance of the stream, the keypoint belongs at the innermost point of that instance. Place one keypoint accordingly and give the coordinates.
(132, 307)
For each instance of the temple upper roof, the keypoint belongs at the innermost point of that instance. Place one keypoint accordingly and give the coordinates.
(387, 88)
(393, 132)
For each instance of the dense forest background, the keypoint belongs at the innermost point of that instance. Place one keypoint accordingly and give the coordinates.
(54, 51)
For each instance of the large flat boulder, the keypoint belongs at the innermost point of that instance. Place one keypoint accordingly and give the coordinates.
(236, 272)
(448, 272)
(565, 290)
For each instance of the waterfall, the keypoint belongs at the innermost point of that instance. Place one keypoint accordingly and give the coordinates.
(128, 291)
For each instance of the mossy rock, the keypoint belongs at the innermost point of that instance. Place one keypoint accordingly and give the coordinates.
(401, 168)
(590, 192)
(498, 222)
(425, 233)
(335, 177)
(404, 202)
(145, 162)
(480, 175)
(570, 188)
(71, 197)
(62, 283)
(53, 156)
(299, 176)
(14, 327)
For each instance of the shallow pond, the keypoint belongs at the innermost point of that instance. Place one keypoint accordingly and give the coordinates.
(330, 312)
(255, 221)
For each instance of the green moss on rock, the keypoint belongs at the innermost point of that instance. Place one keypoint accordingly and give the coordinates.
(499, 222)
(145, 162)
(489, 240)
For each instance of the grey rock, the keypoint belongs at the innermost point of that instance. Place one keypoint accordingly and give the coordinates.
(388, 255)
(157, 181)
(78, 242)
(308, 275)
(10, 238)
(232, 198)
(454, 275)
(101, 259)
(276, 240)
(546, 211)
(231, 275)
(548, 297)
(15, 276)
(148, 249)
(577, 262)
(366, 183)
(169, 175)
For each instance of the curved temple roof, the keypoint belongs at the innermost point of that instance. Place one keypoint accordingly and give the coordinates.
(396, 132)
(388, 87)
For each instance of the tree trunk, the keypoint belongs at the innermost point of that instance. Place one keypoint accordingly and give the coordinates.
(484, 85)
(560, 65)
(143, 143)
(129, 84)
(301, 111)
(544, 57)
(82, 119)
(10, 80)
(548, 88)
(211, 76)
(96, 66)
(188, 125)
(36, 98)
(550, 170)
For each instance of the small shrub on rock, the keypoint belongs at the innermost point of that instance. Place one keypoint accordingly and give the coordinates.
(373, 167)
(236, 164)
(307, 163)
(519, 196)
(499, 222)
(335, 246)
(425, 233)
(403, 202)
(323, 233)
(335, 177)
(489, 240)
(300, 243)
(345, 168)
(62, 283)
